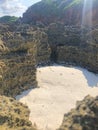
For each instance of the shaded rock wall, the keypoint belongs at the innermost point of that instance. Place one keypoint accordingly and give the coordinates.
(77, 56)
(74, 45)
(42, 47)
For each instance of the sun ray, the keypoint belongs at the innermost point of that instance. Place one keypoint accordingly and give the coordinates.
(87, 18)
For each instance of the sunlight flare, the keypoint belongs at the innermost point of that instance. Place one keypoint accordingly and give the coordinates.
(87, 19)
(87, 13)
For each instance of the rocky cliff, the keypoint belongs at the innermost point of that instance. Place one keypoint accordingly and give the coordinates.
(69, 12)
(83, 117)
(21, 50)
(17, 64)
(43, 50)
(25, 46)
(49, 31)
(14, 115)
(70, 40)
(73, 45)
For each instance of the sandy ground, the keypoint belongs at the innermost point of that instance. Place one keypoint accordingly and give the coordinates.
(60, 88)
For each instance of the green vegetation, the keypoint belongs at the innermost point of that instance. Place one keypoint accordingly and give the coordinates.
(73, 3)
(8, 19)
(47, 1)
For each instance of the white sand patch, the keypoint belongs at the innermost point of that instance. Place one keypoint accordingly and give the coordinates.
(60, 88)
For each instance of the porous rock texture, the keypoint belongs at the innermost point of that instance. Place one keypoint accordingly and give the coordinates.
(49, 31)
(14, 115)
(73, 45)
(27, 47)
(83, 117)
(71, 41)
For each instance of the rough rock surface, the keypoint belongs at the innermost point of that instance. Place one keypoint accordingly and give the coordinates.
(54, 38)
(70, 45)
(42, 47)
(14, 115)
(69, 12)
(18, 64)
(83, 117)
(2, 46)
(27, 47)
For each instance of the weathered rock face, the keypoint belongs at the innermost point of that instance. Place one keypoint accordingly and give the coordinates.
(2, 46)
(14, 115)
(27, 47)
(73, 45)
(20, 67)
(42, 47)
(69, 41)
(19, 75)
(69, 12)
(2, 67)
(23, 47)
(78, 56)
(83, 117)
